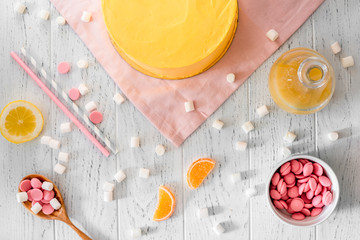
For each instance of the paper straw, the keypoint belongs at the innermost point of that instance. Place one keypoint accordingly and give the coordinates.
(60, 104)
(81, 114)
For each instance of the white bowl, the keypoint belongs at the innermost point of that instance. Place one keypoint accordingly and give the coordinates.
(308, 221)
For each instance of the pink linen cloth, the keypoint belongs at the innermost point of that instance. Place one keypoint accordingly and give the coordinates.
(162, 101)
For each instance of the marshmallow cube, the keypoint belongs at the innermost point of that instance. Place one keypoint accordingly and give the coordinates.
(135, 142)
(59, 169)
(347, 62)
(108, 187)
(144, 173)
(333, 136)
(219, 229)
(285, 151)
(20, 8)
(55, 203)
(202, 213)
(250, 192)
(86, 16)
(120, 176)
(218, 124)
(91, 106)
(44, 14)
(60, 20)
(240, 146)
(45, 140)
(55, 144)
(36, 208)
(160, 150)
(290, 137)
(118, 99)
(47, 186)
(262, 111)
(189, 106)
(108, 196)
(63, 156)
(247, 127)
(65, 127)
(83, 89)
(21, 197)
(135, 232)
(230, 77)
(335, 47)
(272, 35)
(82, 63)
(235, 177)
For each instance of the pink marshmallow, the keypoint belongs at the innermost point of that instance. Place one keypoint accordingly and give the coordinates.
(74, 94)
(96, 117)
(63, 67)
(36, 183)
(25, 185)
(37, 194)
(47, 209)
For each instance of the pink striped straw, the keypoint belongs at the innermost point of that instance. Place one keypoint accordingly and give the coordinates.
(60, 104)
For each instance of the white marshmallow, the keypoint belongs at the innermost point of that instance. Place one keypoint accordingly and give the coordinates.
(65, 127)
(83, 89)
(36, 208)
(218, 124)
(347, 61)
(160, 150)
(289, 137)
(47, 186)
(44, 14)
(202, 213)
(86, 16)
(59, 169)
(144, 173)
(219, 229)
(120, 176)
(335, 47)
(230, 77)
(262, 111)
(108, 196)
(20, 8)
(21, 197)
(250, 192)
(247, 127)
(189, 106)
(272, 35)
(118, 98)
(285, 151)
(63, 156)
(240, 146)
(60, 20)
(45, 140)
(55, 144)
(108, 187)
(135, 232)
(55, 203)
(91, 106)
(82, 63)
(135, 142)
(235, 177)
(333, 136)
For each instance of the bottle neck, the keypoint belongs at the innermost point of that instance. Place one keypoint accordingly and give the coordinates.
(313, 72)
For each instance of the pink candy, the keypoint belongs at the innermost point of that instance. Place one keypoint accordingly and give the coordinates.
(301, 188)
(74, 94)
(63, 67)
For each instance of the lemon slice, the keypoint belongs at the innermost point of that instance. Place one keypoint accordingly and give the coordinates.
(20, 121)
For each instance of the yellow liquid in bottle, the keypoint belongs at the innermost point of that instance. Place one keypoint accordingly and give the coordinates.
(301, 81)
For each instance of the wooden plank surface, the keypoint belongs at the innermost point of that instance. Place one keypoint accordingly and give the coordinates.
(136, 198)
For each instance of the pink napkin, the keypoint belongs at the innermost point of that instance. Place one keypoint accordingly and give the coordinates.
(162, 101)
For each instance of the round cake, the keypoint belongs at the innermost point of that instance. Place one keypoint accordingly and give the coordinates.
(171, 39)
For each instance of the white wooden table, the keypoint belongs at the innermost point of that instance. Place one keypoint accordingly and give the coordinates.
(136, 199)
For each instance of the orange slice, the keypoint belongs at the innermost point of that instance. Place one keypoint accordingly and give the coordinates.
(166, 204)
(198, 171)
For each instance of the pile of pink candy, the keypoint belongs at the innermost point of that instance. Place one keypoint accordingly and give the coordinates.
(301, 188)
(41, 194)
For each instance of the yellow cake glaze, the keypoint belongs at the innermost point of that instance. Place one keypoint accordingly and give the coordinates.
(171, 39)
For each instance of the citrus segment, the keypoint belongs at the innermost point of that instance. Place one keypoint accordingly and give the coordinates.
(166, 204)
(198, 171)
(20, 121)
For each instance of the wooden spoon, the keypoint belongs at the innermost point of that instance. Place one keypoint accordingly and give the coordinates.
(59, 214)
